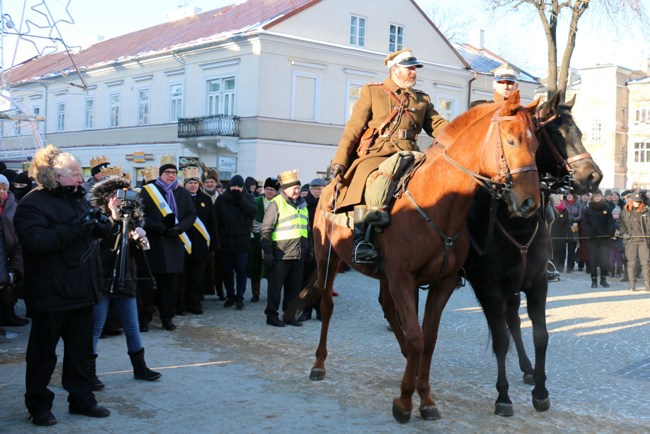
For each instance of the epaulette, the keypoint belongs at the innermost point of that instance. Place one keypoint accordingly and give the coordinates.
(374, 83)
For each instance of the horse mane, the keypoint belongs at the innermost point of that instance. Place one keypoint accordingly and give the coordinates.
(465, 120)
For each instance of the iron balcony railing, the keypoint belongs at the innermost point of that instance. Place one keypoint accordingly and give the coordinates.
(218, 125)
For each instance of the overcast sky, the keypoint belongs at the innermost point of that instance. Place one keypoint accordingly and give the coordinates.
(524, 44)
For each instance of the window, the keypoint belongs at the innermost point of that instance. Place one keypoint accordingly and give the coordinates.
(36, 111)
(175, 102)
(447, 107)
(114, 99)
(396, 38)
(143, 106)
(642, 152)
(221, 96)
(596, 128)
(354, 91)
(642, 116)
(60, 116)
(305, 101)
(357, 31)
(89, 110)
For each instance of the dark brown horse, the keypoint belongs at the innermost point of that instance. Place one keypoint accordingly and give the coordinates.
(510, 254)
(426, 242)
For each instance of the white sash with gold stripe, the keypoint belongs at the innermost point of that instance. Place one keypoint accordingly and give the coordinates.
(198, 224)
(164, 208)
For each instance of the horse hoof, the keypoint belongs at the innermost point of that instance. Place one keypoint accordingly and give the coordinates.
(541, 404)
(503, 409)
(317, 374)
(429, 412)
(400, 415)
(528, 379)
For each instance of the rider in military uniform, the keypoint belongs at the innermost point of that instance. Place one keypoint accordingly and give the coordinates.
(397, 112)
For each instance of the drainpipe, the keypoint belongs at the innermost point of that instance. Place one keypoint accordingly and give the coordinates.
(469, 88)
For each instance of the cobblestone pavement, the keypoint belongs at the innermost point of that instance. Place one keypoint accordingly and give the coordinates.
(227, 371)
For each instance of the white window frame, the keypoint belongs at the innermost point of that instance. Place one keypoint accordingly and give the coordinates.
(36, 111)
(395, 39)
(89, 113)
(447, 114)
(358, 26)
(350, 100)
(144, 105)
(114, 109)
(642, 116)
(60, 116)
(175, 102)
(642, 152)
(316, 108)
(226, 99)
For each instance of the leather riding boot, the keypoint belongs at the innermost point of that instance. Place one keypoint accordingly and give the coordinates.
(363, 252)
(255, 288)
(594, 282)
(603, 282)
(140, 369)
(97, 383)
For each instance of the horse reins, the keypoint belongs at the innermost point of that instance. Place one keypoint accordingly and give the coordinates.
(523, 248)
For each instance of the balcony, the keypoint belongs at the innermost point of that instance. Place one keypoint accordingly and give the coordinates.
(218, 125)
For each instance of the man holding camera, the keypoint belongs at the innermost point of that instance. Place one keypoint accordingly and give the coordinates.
(59, 235)
(169, 214)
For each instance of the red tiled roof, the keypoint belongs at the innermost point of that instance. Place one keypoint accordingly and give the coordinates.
(253, 15)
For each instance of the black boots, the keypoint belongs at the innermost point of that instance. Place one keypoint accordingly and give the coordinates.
(594, 282)
(603, 282)
(97, 383)
(140, 369)
(363, 252)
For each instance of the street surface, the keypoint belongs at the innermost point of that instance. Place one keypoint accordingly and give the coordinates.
(228, 372)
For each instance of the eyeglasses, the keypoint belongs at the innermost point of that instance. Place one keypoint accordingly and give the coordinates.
(170, 172)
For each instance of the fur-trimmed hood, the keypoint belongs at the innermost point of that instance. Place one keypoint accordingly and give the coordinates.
(102, 192)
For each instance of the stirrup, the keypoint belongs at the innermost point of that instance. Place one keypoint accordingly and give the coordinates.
(367, 255)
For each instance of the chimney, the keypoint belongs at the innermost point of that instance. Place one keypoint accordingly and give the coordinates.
(477, 38)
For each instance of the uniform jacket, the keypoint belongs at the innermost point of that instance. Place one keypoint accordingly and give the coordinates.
(295, 248)
(234, 221)
(597, 220)
(61, 258)
(371, 110)
(204, 211)
(167, 254)
(634, 224)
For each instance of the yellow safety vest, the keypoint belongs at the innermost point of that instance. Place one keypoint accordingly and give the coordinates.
(292, 223)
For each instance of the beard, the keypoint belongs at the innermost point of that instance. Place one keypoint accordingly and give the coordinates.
(404, 84)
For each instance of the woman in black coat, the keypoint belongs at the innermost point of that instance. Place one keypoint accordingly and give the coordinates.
(598, 224)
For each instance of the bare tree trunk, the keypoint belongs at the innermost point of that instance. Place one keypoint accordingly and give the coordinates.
(576, 12)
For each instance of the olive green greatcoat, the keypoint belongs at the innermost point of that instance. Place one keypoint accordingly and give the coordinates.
(371, 110)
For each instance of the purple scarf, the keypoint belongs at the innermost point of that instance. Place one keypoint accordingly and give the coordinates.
(169, 193)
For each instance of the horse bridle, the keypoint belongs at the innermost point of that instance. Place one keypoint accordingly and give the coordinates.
(502, 181)
(559, 159)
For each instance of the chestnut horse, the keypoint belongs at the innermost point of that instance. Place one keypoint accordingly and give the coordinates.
(426, 243)
(513, 257)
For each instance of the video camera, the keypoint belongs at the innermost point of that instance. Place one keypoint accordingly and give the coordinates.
(128, 198)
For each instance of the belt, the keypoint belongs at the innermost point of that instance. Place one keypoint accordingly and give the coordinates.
(402, 134)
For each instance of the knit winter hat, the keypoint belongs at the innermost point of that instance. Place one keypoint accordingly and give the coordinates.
(236, 181)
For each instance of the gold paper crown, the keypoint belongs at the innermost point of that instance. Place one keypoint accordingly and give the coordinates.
(97, 161)
(150, 173)
(168, 159)
(191, 172)
(111, 171)
(289, 178)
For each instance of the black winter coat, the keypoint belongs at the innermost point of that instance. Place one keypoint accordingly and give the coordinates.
(167, 253)
(204, 211)
(597, 220)
(234, 221)
(61, 258)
